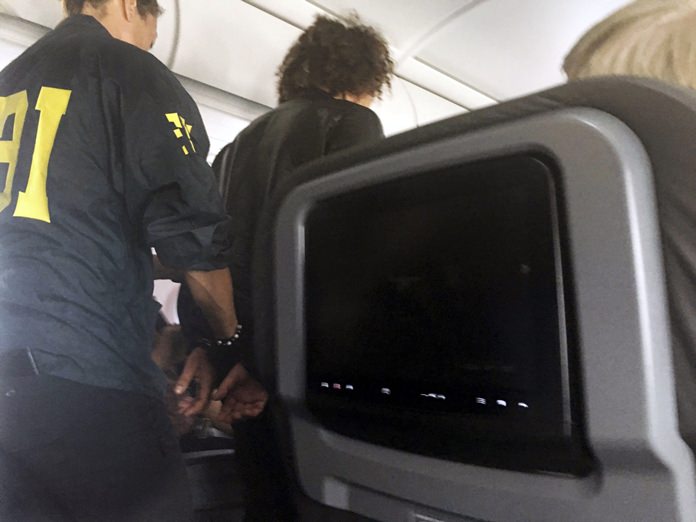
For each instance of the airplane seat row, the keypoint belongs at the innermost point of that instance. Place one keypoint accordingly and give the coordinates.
(490, 318)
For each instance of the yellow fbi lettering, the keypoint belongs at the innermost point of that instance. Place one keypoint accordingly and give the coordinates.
(16, 105)
(181, 128)
(52, 103)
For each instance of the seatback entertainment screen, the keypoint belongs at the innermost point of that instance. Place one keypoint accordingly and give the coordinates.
(435, 317)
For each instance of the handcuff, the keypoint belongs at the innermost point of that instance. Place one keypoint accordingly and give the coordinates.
(221, 342)
(220, 350)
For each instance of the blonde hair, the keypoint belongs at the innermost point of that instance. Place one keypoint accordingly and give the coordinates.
(651, 38)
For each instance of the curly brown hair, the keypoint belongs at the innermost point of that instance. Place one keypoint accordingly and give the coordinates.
(339, 57)
(145, 7)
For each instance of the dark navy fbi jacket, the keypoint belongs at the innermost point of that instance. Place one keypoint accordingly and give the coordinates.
(102, 156)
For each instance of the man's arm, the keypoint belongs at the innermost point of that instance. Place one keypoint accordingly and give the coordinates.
(212, 291)
(242, 394)
(172, 193)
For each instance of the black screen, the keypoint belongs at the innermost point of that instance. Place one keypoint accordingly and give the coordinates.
(435, 299)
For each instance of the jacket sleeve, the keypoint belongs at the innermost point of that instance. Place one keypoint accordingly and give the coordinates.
(357, 127)
(170, 191)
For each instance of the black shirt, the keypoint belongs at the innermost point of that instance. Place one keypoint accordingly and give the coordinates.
(267, 151)
(102, 157)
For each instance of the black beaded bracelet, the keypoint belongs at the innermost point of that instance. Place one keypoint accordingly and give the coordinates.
(225, 342)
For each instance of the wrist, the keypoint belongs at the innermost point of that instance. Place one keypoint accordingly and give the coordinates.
(223, 352)
(226, 329)
(222, 342)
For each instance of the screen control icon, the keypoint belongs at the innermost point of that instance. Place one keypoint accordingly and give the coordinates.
(385, 391)
(437, 396)
(523, 405)
(349, 387)
(481, 400)
(501, 402)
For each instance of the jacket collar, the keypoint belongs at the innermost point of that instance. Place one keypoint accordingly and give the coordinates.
(315, 94)
(83, 22)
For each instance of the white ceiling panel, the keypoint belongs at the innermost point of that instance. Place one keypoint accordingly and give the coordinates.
(237, 47)
(396, 109)
(435, 81)
(507, 48)
(467, 53)
(17, 32)
(299, 13)
(48, 13)
(9, 51)
(43, 12)
(403, 22)
(430, 107)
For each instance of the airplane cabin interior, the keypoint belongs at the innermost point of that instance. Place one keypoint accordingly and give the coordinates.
(472, 320)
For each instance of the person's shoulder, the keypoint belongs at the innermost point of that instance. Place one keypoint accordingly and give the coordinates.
(353, 113)
(345, 112)
(353, 124)
(304, 108)
(132, 66)
(347, 107)
(92, 45)
(325, 113)
(256, 127)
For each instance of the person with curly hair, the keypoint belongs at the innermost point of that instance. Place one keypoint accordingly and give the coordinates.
(326, 83)
(346, 60)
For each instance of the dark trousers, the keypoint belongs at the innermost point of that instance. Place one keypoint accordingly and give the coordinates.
(69, 451)
(267, 487)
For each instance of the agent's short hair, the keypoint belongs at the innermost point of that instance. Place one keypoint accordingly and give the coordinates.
(145, 7)
(651, 38)
(339, 57)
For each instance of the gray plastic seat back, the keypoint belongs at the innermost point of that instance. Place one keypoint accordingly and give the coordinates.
(629, 191)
